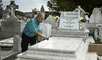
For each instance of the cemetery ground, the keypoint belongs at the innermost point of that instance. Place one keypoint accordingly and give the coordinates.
(8, 54)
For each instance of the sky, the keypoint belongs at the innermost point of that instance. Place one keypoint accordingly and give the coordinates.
(27, 5)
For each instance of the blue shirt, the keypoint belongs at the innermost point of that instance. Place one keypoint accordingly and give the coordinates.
(31, 27)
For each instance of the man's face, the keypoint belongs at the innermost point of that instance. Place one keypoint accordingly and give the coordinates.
(41, 18)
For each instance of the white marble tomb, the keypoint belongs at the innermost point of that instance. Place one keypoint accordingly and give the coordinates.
(48, 19)
(57, 48)
(69, 20)
(7, 42)
(69, 26)
(45, 29)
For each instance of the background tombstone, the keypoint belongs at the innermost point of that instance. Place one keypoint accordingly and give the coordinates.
(48, 20)
(34, 12)
(45, 29)
(16, 43)
(94, 20)
(12, 7)
(42, 9)
(7, 14)
(96, 16)
(13, 26)
(69, 20)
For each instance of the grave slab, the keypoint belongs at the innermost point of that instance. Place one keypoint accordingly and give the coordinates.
(57, 48)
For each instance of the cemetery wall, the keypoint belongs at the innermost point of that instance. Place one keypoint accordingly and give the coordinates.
(95, 48)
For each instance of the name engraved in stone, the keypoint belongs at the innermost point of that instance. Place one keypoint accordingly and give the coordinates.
(9, 24)
(68, 26)
(69, 22)
(71, 13)
(69, 17)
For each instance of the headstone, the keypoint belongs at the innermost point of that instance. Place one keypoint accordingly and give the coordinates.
(12, 7)
(69, 20)
(45, 29)
(48, 20)
(12, 20)
(42, 9)
(69, 26)
(7, 14)
(96, 16)
(16, 43)
(12, 25)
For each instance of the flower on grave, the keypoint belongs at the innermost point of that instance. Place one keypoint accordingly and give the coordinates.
(86, 13)
(83, 19)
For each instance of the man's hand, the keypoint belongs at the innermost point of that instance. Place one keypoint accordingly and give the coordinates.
(37, 33)
(47, 38)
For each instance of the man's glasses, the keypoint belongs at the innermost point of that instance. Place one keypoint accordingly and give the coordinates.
(42, 19)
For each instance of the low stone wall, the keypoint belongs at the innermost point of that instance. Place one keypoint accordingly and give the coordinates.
(95, 48)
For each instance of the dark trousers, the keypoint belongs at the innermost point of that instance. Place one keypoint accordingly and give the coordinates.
(26, 40)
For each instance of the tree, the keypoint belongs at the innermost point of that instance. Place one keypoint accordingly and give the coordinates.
(1, 9)
(70, 5)
(19, 13)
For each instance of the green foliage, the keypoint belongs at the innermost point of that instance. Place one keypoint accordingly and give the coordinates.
(70, 5)
(20, 13)
(0, 29)
(1, 9)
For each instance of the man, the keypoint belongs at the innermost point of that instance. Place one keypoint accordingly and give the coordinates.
(31, 30)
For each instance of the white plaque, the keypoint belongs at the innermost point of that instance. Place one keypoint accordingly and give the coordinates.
(69, 20)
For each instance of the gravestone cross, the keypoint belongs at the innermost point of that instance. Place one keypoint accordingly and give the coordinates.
(12, 7)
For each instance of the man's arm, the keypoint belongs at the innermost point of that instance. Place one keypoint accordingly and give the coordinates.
(37, 33)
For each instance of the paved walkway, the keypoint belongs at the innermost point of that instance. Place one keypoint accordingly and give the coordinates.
(8, 54)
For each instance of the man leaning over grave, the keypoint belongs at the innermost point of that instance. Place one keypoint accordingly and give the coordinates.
(31, 31)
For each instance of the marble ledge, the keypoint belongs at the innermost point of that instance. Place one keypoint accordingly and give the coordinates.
(59, 44)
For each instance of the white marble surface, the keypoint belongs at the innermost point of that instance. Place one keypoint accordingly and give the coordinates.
(59, 43)
(69, 20)
(62, 45)
(46, 29)
(9, 41)
(92, 56)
